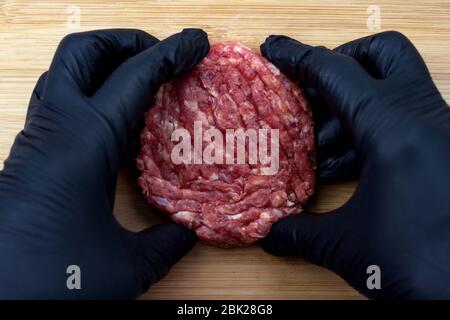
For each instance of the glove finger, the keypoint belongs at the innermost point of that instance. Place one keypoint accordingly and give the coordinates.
(331, 137)
(84, 60)
(36, 96)
(342, 82)
(385, 54)
(320, 110)
(335, 155)
(159, 248)
(130, 89)
(338, 166)
(38, 91)
(309, 236)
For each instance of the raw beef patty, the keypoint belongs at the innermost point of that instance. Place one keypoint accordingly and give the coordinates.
(228, 204)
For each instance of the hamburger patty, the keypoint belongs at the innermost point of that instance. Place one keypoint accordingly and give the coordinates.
(228, 203)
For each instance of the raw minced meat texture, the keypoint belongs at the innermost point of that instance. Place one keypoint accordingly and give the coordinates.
(229, 205)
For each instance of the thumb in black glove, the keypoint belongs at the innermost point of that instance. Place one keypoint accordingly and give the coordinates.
(58, 184)
(398, 219)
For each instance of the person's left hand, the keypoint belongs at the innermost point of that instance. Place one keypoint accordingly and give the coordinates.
(57, 187)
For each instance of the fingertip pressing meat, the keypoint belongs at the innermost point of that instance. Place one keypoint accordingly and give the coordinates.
(228, 203)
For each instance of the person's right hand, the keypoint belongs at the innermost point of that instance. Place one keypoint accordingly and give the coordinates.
(399, 216)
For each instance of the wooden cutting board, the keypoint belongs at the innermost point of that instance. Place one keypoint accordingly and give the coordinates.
(31, 30)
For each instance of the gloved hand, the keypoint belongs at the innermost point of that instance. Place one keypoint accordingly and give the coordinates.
(58, 184)
(399, 216)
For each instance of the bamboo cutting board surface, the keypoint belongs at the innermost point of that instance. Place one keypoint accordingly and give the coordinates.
(31, 30)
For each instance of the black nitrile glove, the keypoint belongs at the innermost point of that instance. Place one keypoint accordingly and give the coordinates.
(399, 216)
(58, 184)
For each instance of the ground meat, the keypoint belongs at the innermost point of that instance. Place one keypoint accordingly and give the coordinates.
(228, 205)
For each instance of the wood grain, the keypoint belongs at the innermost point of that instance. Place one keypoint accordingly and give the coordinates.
(31, 30)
